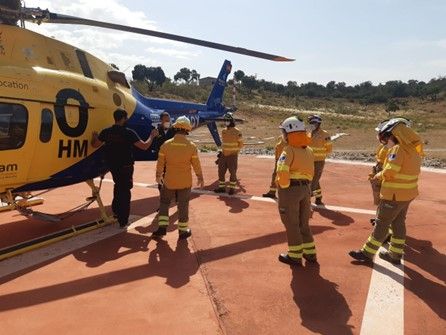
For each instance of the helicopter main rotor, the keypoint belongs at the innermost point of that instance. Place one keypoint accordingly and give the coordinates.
(37, 15)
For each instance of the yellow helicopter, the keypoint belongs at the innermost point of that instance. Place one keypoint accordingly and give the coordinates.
(54, 95)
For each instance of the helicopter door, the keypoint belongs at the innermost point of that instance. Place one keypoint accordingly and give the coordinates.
(15, 145)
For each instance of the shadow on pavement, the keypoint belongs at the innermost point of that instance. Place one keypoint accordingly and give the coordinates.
(323, 310)
(337, 218)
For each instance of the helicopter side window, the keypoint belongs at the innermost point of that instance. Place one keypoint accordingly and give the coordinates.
(13, 125)
(46, 125)
(84, 63)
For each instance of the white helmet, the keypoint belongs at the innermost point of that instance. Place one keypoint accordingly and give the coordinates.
(388, 125)
(182, 123)
(293, 124)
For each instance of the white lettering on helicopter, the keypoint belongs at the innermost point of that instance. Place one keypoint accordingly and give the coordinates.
(13, 84)
(8, 168)
(77, 147)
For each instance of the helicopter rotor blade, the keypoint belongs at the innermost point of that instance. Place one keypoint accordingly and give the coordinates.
(38, 15)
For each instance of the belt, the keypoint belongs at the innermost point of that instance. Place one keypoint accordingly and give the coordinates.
(299, 182)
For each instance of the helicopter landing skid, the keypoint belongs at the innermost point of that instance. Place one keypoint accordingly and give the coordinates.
(12, 202)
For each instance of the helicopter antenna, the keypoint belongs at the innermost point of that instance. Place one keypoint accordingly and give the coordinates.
(37, 15)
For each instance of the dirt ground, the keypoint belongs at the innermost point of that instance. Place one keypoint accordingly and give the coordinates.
(260, 128)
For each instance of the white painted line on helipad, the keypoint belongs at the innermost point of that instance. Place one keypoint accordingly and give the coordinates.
(261, 199)
(353, 162)
(384, 309)
(38, 256)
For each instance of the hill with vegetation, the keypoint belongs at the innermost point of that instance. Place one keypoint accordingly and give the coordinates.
(354, 110)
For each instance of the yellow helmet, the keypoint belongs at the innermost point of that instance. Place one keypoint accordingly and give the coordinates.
(182, 123)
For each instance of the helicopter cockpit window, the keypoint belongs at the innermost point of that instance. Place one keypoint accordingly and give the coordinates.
(46, 125)
(13, 125)
(84, 63)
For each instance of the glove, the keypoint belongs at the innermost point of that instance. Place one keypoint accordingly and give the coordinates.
(200, 182)
(371, 176)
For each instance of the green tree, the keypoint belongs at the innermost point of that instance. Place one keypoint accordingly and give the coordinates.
(239, 75)
(184, 74)
(250, 82)
(195, 76)
(155, 76)
(139, 72)
(392, 107)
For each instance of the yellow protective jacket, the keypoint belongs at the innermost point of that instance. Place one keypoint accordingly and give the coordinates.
(381, 154)
(400, 174)
(176, 156)
(320, 144)
(294, 163)
(280, 145)
(232, 141)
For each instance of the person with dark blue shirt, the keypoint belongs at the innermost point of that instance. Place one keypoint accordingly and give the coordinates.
(118, 149)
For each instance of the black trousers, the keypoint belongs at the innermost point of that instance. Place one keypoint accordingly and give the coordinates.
(123, 179)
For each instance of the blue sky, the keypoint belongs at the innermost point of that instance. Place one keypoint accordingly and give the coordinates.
(351, 41)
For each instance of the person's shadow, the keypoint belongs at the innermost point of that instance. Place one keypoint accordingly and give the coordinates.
(421, 253)
(337, 218)
(109, 250)
(176, 266)
(236, 205)
(322, 308)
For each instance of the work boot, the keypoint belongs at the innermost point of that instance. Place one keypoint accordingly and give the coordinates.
(271, 195)
(360, 256)
(161, 231)
(319, 202)
(220, 190)
(183, 234)
(385, 255)
(231, 191)
(310, 258)
(284, 258)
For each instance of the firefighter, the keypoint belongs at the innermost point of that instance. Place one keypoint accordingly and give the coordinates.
(295, 169)
(280, 145)
(232, 142)
(321, 146)
(380, 155)
(173, 172)
(399, 186)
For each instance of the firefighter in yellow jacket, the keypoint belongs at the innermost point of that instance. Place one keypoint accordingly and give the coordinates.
(295, 169)
(232, 142)
(399, 186)
(280, 145)
(381, 155)
(173, 172)
(321, 146)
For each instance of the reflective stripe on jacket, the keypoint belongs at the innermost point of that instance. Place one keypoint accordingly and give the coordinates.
(176, 157)
(321, 144)
(294, 163)
(232, 141)
(400, 174)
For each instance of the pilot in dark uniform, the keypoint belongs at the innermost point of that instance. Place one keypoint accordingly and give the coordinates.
(165, 132)
(118, 149)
